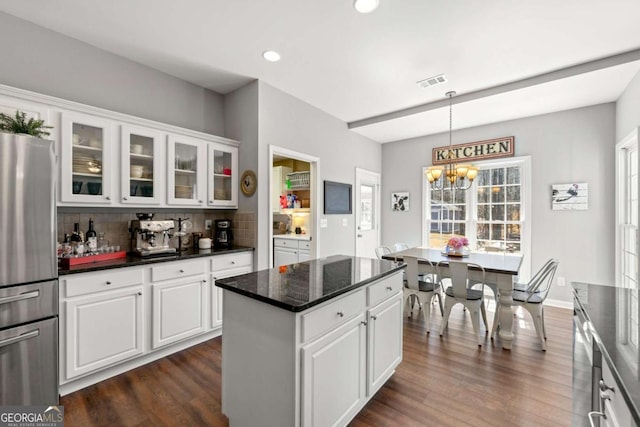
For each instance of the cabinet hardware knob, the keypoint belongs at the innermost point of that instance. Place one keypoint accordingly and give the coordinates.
(108, 198)
(341, 314)
(374, 317)
(233, 262)
(204, 281)
(199, 201)
(108, 282)
(181, 271)
(140, 293)
(389, 288)
(604, 387)
(363, 323)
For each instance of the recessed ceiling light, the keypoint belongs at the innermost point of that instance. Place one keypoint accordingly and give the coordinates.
(271, 55)
(365, 6)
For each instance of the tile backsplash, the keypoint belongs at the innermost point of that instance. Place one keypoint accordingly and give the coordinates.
(114, 222)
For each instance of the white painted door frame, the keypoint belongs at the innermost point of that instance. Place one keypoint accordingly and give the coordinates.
(315, 196)
(365, 244)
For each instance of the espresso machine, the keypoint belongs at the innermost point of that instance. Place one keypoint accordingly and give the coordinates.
(223, 236)
(149, 238)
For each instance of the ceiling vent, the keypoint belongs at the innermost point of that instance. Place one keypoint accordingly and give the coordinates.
(432, 81)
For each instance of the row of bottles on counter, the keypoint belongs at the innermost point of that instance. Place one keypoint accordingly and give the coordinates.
(79, 243)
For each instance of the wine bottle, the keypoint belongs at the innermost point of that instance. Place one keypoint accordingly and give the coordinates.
(75, 237)
(91, 237)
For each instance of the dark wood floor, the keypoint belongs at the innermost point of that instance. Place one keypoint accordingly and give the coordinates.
(446, 381)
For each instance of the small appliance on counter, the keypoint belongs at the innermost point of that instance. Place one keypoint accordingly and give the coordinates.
(223, 236)
(149, 238)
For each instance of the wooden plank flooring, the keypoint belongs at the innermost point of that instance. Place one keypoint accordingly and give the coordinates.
(446, 381)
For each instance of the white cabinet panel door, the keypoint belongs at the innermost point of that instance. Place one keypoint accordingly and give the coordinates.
(385, 342)
(334, 375)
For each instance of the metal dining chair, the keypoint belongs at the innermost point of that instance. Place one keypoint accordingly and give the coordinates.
(422, 290)
(397, 247)
(532, 299)
(381, 251)
(461, 292)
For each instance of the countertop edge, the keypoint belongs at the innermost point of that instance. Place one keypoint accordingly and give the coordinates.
(318, 301)
(635, 413)
(131, 261)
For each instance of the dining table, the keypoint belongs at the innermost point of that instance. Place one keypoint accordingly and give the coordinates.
(500, 268)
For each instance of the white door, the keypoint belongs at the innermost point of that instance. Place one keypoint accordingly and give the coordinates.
(367, 213)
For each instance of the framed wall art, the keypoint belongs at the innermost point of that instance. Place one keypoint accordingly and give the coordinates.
(570, 197)
(400, 201)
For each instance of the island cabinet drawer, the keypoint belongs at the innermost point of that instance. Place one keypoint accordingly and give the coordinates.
(176, 270)
(384, 289)
(87, 283)
(333, 314)
(222, 262)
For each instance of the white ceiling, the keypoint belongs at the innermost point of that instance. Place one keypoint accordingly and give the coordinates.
(357, 67)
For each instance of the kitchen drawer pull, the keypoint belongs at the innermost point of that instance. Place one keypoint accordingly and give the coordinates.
(125, 198)
(181, 271)
(140, 293)
(363, 323)
(19, 338)
(595, 414)
(108, 198)
(20, 297)
(233, 262)
(108, 282)
(389, 288)
(341, 314)
(604, 388)
(374, 317)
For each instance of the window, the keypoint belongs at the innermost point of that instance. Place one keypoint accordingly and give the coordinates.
(627, 246)
(491, 214)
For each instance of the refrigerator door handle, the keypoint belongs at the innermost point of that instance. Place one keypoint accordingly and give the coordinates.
(19, 338)
(20, 297)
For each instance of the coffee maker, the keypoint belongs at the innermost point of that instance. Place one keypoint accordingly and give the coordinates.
(149, 238)
(223, 237)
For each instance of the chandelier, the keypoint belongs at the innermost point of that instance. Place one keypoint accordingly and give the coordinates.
(461, 176)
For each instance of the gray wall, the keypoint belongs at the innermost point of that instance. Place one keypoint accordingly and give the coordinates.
(241, 124)
(569, 146)
(287, 122)
(40, 60)
(628, 109)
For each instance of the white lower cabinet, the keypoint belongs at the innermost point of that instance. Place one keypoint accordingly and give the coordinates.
(115, 319)
(102, 329)
(290, 251)
(385, 343)
(334, 375)
(178, 310)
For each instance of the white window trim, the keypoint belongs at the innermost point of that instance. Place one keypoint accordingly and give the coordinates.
(522, 161)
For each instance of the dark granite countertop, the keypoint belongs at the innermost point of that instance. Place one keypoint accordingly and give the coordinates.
(297, 287)
(132, 261)
(606, 307)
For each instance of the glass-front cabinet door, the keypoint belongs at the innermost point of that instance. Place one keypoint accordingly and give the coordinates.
(142, 164)
(86, 147)
(186, 163)
(223, 176)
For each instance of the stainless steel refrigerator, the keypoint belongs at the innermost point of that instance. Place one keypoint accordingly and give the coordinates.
(28, 272)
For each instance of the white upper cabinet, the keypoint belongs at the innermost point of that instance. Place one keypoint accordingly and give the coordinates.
(223, 176)
(142, 163)
(186, 166)
(86, 158)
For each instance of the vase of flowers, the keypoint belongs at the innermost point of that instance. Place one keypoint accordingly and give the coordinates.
(458, 246)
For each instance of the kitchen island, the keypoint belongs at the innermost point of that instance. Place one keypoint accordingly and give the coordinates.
(309, 344)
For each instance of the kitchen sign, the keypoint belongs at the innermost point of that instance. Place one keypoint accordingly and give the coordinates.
(480, 150)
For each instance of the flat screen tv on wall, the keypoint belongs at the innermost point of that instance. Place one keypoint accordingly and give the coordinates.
(337, 198)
